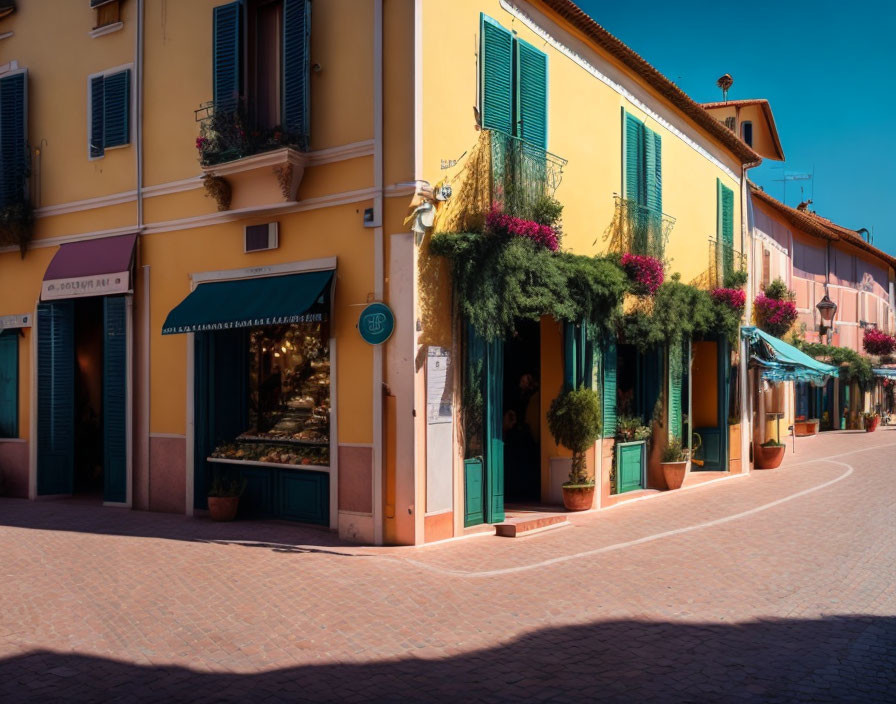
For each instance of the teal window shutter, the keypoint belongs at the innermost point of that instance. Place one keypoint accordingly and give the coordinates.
(635, 176)
(13, 136)
(227, 77)
(570, 366)
(296, 67)
(532, 94)
(9, 384)
(97, 102)
(115, 409)
(116, 109)
(725, 207)
(675, 381)
(496, 76)
(608, 392)
(653, 169)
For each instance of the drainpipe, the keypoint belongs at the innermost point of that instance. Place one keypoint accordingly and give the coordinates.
(746, 246)
(378, 449)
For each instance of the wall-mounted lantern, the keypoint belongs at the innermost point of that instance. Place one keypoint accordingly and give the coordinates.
(827, 309)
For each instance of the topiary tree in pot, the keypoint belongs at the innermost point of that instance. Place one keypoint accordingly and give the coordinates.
(574, 419)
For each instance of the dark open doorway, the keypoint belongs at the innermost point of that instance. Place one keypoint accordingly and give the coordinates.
(88, 435)
(522, 414)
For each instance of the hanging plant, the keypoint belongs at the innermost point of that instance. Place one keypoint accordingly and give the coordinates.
(17, 224)
(775, 310)
(500, 224)
(878, 343)
(644, 272)
(734, 298)
(218, 188)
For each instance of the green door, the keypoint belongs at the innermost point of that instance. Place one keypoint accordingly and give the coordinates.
(55, 398)
(474, 492)
(715, 440)
(115, 411)
(493, 383)
(630, 460)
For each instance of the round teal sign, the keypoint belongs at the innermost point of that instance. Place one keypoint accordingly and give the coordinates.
(376, 323)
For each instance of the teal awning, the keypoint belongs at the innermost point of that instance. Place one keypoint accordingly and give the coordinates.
(886, 373)
(247, 303)
(783, 362)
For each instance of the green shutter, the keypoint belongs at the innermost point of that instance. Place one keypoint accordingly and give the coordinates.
(635, 185)
(9, 384)
(653, 159)
(725, 209)
(494, 430)
(532, 94)
(609, 388)
(569, 356)
(97, 103)
(227, 56)
(55, 397)
(675, 383)
(296, 67)
(115, 410)
(117, 109)
(496, 76)
(13, 136)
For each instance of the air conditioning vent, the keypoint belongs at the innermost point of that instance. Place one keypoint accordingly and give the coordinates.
(261, 237)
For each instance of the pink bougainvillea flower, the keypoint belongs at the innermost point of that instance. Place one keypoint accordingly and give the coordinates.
(878, 343)
(646, 273)
(503, 225)
(735, 298)
(775, 316)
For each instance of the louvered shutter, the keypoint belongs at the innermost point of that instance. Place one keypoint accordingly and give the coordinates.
(55, 397)
(13, 136)
(9, 384)
(532, 94)
(634, 160)
(115, 411)
(117, 109)
(608, 392)
(675, 381)
(96, 116)
(725, 207)
(569, 356)
(653, 162)
(496, 78)
(296, 67)
(226, 79)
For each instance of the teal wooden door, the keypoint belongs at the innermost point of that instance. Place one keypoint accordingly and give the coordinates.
(715, 440)
(494, 430)
(630, 458)
(474, 492)
(55, 398)
(115, 410)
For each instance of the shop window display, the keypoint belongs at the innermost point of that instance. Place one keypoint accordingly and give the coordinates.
(288, 397)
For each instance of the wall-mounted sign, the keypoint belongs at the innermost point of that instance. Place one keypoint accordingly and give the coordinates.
(376, 323)
(80, 286)
(8, 322)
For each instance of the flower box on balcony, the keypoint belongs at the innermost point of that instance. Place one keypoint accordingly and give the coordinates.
(267, 178)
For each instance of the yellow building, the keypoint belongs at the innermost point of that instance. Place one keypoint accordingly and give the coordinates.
(220, 192)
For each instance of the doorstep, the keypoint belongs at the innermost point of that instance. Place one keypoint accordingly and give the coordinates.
(530, 523)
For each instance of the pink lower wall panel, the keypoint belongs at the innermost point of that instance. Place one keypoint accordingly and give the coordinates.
(167, 475)
(14, 468)
(355, 479)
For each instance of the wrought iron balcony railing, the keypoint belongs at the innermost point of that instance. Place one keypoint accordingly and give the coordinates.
(637, 229)
(520, 173)
(724, 260)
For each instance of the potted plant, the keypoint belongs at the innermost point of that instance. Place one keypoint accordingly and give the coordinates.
(224, 497)
(770, 454)
(674, 462)
(870, 421)
(574, 420)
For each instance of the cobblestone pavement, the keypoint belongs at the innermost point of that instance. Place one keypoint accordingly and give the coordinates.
(777, 587)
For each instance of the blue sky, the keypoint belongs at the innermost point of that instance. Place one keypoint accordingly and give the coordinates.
(827, 68)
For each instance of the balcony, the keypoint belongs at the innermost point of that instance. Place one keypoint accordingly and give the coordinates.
(16, 210)
(247, 167)
(724, 260)
(520, 173)
(637, 229)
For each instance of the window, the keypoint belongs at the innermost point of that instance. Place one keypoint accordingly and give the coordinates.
(747, 131)
(513, 84)
(643, 165)
(109, 110)
(108, 12)
(730, 122)
(9, 384)
(261, 63)
(766, 267)
(14, 156)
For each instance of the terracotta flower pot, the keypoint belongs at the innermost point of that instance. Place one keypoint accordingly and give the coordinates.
(674, 472)
(578, 498)
(871, 425)
(223, 508)
(769, 457)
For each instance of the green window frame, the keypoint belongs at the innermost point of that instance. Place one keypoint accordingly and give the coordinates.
(9, 384)
(513, 84)
(109, 104)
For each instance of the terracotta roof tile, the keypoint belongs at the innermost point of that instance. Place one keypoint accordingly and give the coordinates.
(577, 17)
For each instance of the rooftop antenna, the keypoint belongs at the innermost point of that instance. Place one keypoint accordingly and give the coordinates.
(793, 176)
(725, 82)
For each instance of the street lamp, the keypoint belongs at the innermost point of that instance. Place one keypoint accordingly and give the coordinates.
(827, 309)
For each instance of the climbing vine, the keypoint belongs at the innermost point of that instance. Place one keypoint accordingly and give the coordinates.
(853, 367)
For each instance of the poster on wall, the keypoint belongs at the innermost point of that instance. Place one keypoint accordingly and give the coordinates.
(439, 432)
(438, 391)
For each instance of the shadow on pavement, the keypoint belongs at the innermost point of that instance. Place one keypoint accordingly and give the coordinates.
(831, 659)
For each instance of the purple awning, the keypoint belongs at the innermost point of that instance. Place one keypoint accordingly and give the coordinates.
(95, 267)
